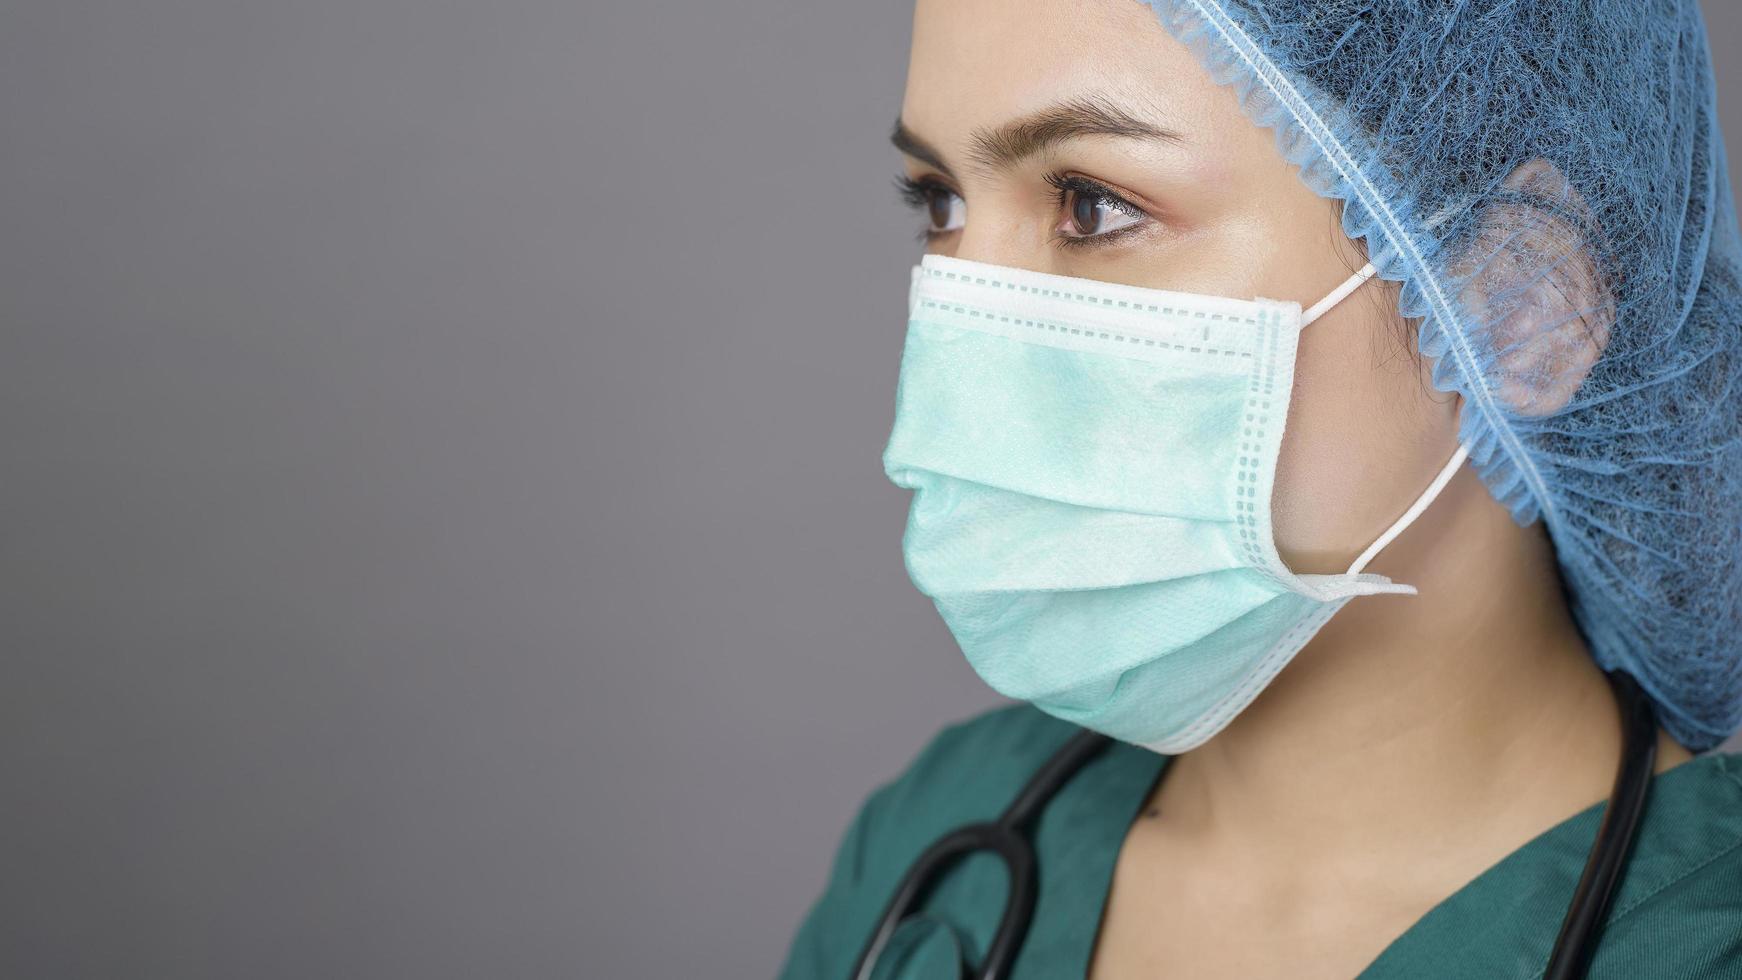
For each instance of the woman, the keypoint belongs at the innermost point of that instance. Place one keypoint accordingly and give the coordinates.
(1465, 501)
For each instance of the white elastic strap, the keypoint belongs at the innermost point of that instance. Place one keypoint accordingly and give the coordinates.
(1336, 295)
(1414, 511)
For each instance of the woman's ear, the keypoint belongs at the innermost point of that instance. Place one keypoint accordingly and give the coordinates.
(1535, 291)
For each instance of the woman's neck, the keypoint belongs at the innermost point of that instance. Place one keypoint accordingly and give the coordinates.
(1468, 718)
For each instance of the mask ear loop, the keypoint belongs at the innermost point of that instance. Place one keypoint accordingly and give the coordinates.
(1397, 527)
(1337, 295)
(1414, 511)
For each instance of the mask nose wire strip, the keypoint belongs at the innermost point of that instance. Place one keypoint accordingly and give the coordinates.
(1336, 295)
(1414, 511)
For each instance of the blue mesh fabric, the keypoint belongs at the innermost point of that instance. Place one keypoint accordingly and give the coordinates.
(1546, 180)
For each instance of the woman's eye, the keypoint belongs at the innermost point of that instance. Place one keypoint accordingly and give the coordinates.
(1089, 215)
(947, 212)
(943, 208)
(1092, 212)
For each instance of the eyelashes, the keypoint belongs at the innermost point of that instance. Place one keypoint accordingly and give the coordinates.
(916, 194)
(922, 196)
(925, 194)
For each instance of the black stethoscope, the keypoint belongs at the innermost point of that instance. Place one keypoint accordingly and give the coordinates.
(1007, 837)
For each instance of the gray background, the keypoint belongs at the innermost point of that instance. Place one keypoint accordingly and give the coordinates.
(444, 533)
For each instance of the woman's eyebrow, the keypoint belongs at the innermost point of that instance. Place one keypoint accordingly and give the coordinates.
(994, 150)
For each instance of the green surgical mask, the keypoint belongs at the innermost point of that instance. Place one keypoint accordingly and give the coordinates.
(1092, 467)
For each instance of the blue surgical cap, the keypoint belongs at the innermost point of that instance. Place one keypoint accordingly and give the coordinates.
(1546, 180)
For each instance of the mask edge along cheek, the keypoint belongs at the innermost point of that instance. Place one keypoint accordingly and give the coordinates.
(1219, 715)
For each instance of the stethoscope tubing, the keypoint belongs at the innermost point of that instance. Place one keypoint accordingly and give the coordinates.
(1577, 940)
(1005, 837)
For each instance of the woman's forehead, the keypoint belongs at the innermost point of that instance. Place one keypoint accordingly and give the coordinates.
(979, 66)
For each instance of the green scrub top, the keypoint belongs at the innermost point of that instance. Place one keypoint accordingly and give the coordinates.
(1678, 913)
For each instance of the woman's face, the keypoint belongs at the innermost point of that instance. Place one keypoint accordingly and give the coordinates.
(1077, 137)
